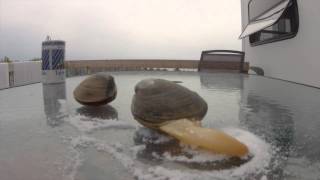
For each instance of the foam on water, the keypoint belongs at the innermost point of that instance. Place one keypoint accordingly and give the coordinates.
(127, 156)
(77, 144)
(74, 156)
(88, 124)
(259, 149)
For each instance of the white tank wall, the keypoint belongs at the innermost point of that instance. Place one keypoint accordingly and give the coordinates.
(4, 75)
(26, 72)
(294, 59)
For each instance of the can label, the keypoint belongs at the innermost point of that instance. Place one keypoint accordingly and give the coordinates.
(53, 54)
(45, 59)
(57, 59)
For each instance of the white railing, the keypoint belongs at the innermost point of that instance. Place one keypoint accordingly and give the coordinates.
(19, 73)
(4, 75)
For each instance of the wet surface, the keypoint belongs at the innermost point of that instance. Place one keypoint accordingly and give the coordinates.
(46, 134)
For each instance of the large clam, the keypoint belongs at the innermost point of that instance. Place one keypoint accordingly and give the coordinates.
(97, 89)
(175, 110)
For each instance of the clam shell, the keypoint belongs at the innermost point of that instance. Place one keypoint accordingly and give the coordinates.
(98, 89)
(157, 101)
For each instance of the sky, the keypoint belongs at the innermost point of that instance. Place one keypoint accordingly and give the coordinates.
(119, 29)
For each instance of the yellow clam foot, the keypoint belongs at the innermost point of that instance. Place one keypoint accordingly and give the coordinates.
(213, 140)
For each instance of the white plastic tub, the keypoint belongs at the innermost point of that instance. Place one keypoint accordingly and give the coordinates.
(4, 75)
(26, 73)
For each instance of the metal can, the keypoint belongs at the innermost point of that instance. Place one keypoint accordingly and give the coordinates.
(53, 55)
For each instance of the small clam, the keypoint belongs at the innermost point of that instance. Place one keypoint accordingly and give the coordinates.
(98, 89)
(173, 109)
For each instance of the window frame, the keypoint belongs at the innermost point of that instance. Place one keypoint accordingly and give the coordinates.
(279, 38)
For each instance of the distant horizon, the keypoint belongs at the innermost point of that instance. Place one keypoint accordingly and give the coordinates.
(122, 29)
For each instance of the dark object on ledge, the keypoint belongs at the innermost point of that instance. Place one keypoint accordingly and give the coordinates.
(98, 89)
(258, 70)
(223, 60)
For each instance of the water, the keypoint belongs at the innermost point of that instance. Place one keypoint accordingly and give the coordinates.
(46, 134)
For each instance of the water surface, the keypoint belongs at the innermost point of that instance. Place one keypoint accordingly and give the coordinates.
(46, 134)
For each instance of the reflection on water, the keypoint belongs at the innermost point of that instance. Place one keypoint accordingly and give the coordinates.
(54, 95)
(222, 81)
(284, 114)
(101, 112)
(222, 92)
(276, 120)
(275, 124)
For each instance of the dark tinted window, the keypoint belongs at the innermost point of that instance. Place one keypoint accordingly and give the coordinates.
(286, 27)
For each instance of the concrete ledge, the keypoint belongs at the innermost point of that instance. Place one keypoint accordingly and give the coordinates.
(132, 64)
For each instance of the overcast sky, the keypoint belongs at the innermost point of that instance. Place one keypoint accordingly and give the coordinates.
(118, 29)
